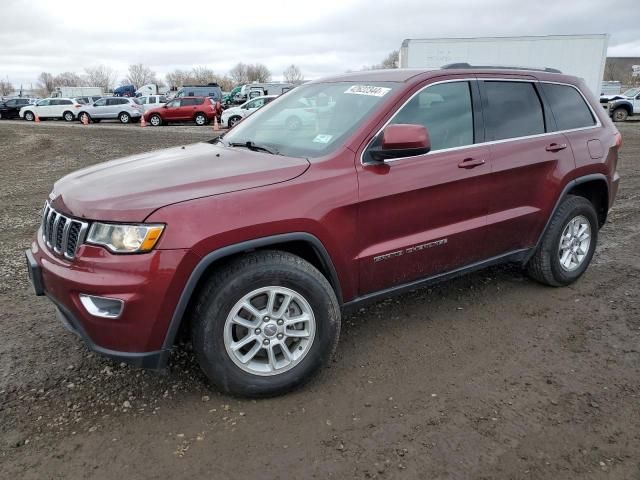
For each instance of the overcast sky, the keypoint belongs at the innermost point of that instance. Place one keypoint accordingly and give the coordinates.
(322, 37)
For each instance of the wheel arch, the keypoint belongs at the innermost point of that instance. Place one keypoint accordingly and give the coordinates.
(302, 244)
(622, 104)
(593, 187)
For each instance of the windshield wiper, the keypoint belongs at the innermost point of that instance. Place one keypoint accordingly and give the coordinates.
(253, 147)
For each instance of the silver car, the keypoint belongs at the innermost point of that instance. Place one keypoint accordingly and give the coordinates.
(125, 109)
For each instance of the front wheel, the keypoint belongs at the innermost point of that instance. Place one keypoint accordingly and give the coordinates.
(233, 121)
(124, 117)
(155, 120)
(29, 116)
(265, 324)
(568, 244)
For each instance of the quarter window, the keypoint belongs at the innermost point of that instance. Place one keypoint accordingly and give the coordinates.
(445, 109)
(513, 109)
(568, 107)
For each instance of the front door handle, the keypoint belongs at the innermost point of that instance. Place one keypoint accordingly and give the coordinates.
(556, 147)
(471, 163)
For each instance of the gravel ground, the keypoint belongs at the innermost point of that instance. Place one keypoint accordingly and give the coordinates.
(487, 376)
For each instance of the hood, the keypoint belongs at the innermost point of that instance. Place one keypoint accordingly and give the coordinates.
(612, 97)
(131, 188)
(232, 110)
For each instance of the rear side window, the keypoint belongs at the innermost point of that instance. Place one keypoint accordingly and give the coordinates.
(65, 102)
(191, 101)
(568, 107)
(513, 109)
(445, 109)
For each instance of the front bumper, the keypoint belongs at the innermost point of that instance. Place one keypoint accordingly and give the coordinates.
(150, 285)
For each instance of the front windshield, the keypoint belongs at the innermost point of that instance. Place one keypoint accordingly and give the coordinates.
(312, 120)
(632, 92)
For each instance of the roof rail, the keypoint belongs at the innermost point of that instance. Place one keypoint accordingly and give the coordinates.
(453, 66)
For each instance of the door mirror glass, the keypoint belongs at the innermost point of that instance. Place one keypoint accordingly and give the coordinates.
(402, 140)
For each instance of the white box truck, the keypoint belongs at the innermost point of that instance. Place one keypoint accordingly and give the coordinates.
(580, 55)
(71, 92)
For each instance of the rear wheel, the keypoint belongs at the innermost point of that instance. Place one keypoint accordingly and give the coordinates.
(568, 245)
(293, 123)
(29, 116)
(200, 119)
(68, 116)
(265, 324)
(620, 114)
(124, 117)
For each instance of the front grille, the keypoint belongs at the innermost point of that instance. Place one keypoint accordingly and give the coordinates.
(62, 234)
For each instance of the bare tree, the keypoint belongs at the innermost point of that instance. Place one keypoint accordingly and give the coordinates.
(202, 75)
(258, 73)
(139, 75)
(391, 60)
(176, 78)
(293, 74)
(68, 79)
(5, 87)
(101, 76)
(238, 74)
(46, 83)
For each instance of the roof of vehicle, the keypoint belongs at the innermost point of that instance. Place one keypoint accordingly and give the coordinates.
(408, 74)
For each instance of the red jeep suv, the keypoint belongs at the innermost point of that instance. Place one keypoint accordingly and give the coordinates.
(254, 243)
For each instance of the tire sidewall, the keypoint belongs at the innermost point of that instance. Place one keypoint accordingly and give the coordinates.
(124, 117)
(565, 277)
(203, 117)
(29, 116)
(623, 116)
(213, 355)
(66, 116)
(159, 120)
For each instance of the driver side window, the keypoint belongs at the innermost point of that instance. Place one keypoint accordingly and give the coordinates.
(445, 109)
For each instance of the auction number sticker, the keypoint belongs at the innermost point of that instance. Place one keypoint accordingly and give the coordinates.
(322, 138)
(368, 90)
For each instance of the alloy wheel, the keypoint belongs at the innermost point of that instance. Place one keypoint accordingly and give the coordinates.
(574, 243)
(269, 330)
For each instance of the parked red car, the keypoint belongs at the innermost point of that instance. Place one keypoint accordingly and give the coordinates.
(253, 244)
(200, 110)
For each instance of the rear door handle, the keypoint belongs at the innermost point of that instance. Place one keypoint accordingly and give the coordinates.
(556, 147)
(471, 163)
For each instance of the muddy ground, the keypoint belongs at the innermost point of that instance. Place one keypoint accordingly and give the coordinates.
(487, 376)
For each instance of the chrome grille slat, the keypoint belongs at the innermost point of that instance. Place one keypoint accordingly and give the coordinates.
(62, 234)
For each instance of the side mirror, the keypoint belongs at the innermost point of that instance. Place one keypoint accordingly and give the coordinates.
(402, 140)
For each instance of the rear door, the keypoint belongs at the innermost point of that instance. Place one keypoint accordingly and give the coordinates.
(424, 215)
(529, 161)
(187, 108)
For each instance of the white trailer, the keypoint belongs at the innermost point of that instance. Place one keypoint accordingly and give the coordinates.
(72, 92)
(580, 55)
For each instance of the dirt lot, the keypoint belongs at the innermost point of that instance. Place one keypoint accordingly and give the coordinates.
(487, 376)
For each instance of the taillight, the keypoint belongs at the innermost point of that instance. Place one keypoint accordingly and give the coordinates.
(618, 139)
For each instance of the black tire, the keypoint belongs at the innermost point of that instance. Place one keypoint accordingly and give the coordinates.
(82, 115)
(545, 265)
(233, 121)
(68, 116)
(29, 116)
(293, 123)
(237, 279)
(200, 119)
(155, 118)
(124, 117)
(619, 114)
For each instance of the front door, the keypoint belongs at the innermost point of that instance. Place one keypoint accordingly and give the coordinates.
(99, 109)
(172, 111)
(424, 215)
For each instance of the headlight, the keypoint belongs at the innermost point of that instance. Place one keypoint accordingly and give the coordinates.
(125, 238)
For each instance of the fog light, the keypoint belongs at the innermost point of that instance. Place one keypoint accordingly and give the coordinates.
(102, 306)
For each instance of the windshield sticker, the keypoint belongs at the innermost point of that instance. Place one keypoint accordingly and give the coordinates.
(368, 90)
(322, 138)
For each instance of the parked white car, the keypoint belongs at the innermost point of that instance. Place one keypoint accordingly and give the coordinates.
(65, 108)
(233, 115)
(152, 101)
